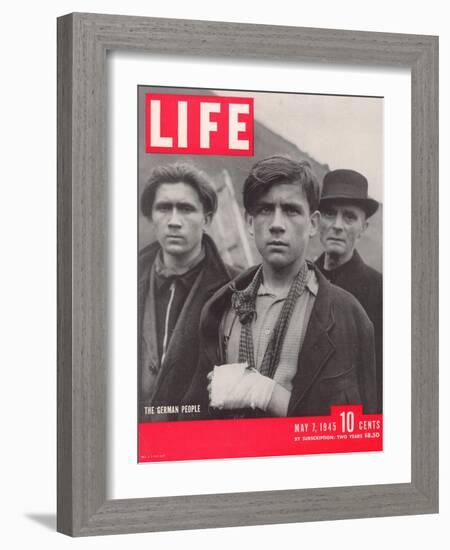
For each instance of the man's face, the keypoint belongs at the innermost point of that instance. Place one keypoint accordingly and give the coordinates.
(178, 219)
(282, 225)
(341, 225)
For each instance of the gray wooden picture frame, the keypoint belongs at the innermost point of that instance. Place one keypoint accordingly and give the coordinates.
(83, 42)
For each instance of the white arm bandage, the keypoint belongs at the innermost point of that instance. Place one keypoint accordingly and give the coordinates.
(235, 386)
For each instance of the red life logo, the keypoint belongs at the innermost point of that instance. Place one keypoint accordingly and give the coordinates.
(198, 125)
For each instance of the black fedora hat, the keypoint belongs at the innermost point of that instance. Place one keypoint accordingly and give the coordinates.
(347, 186)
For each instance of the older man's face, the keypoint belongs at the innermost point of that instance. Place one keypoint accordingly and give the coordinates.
(178, 219)
(341, 226)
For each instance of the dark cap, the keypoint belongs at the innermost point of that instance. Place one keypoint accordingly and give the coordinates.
(349, 186)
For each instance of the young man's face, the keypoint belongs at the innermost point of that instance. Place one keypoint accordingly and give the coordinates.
(341, 225)
(178, 219)
(282, 224)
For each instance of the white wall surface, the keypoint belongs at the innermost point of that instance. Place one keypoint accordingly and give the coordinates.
(28, 274)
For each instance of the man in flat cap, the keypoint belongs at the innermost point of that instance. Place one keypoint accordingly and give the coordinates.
(345, 208)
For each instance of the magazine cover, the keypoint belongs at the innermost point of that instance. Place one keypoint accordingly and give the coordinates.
(260, 290)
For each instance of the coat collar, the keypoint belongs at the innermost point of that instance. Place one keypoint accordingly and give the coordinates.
(221, 298)
(352, 266)
(318, 345)
(213, 313)
(215, 272)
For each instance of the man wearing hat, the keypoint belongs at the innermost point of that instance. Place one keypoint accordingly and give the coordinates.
(345, 208)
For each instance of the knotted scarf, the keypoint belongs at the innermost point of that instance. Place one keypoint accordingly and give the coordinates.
(244, 304)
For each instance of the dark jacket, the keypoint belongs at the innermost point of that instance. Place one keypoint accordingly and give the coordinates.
(174, 377)
(366, 285)
(336, 364)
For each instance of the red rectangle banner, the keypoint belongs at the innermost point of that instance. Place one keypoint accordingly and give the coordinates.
(346, 430)
(198, 125)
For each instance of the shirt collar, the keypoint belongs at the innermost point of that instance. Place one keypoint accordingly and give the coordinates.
(185, 276)
(312, 284)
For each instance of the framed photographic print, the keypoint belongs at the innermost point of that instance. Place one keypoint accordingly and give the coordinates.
(336, 410)
(233, 290)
